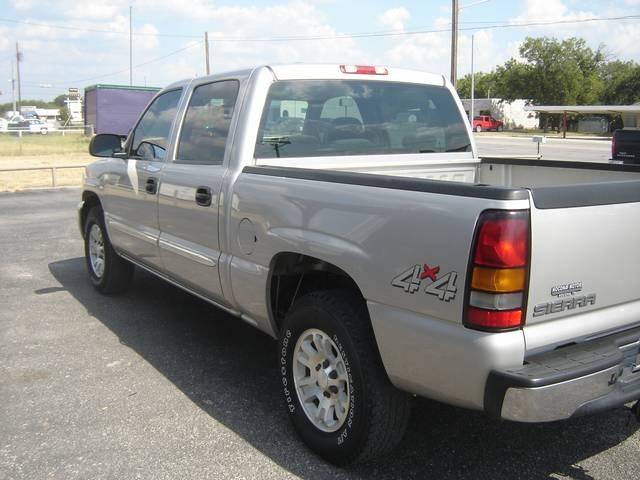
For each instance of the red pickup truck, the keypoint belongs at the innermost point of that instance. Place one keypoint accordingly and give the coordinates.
(487, 122)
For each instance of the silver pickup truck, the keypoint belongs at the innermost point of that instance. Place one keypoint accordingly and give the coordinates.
(344, 211)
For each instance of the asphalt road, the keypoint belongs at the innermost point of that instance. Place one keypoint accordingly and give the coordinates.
(584, 150)
(157, 384)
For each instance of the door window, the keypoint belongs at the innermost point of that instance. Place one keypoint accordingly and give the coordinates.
(206, 124)
(152, 132)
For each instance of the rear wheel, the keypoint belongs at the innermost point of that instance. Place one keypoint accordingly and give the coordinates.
(109, 273)
(500, 128)
(336, 390)
(478, 128)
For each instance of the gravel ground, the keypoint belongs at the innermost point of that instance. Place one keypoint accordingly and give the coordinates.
(157, 384)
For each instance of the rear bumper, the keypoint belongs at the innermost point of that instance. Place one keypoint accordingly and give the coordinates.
(577, 380)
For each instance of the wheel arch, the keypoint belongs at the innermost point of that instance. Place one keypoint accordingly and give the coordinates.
(293, 274)
(89, 200)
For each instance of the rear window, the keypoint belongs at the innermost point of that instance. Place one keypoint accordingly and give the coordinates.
(314, 118)
(631, 136)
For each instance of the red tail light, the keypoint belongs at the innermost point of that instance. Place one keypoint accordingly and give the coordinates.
(499, 271)
(490, 319)
(502, 242)
(613, 145)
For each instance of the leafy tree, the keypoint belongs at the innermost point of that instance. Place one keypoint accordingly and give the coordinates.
(553, 72)
(621, 82)
(486, 85)
(59, 100)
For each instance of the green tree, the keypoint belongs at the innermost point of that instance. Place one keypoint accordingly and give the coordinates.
(60, 100)
(621, 82)
(486, 85)
(553, 72)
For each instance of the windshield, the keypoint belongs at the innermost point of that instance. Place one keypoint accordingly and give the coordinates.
(312, 118)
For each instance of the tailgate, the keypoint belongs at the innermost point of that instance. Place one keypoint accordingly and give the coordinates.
(627, 146)
(585, 262)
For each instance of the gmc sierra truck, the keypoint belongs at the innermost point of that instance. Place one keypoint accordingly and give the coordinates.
(344, 211)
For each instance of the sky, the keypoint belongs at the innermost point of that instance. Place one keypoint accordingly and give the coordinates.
(66, 43)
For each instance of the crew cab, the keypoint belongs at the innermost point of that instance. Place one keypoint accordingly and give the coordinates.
(344, 211)
(625, 146)
(486, 123)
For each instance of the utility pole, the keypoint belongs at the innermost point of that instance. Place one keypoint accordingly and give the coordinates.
(206, 52)
(473, 84)
(454, 42)
(130, 45)
(13, 87)
(18, 59)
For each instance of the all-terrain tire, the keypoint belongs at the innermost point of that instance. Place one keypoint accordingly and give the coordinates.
(377, 413)
(115, 274)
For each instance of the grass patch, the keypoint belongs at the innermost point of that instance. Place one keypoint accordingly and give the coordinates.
(11, 145)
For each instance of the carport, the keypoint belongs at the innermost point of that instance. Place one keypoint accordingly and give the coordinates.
(630, 113)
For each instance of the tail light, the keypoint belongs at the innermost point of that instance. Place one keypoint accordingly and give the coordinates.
(613, 145)
(364, 69)
(499, 271)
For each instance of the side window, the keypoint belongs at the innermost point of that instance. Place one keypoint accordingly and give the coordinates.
(152, 132)
(206, 124)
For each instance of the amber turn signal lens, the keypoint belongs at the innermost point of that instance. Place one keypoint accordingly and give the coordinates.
(496, 280)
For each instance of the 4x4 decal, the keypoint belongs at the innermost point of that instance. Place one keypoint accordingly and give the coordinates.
(443, 287)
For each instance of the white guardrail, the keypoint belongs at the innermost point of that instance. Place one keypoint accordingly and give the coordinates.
(53, 168)
(86, 130)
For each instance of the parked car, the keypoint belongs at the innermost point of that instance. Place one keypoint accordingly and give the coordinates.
(625, 146)
(374, 244)
(30, 126)
(486, 123)
(4, 125)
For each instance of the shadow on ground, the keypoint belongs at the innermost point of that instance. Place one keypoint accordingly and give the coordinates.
(228, 369)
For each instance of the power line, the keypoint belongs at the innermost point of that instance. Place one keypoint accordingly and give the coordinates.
(494, 26)
(153, 60)
(92, 30)
(139, 64)
(488, 25)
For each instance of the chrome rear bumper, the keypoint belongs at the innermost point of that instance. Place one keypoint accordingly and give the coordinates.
(576, 380)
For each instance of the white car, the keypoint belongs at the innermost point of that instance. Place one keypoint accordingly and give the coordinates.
(38, 126)
(4, 125)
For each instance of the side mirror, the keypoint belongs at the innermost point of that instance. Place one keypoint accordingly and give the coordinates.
(105, 145)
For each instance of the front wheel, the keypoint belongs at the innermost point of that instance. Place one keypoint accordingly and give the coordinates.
(109, 273)
(478, 129)
(500, 128)
(336, 389)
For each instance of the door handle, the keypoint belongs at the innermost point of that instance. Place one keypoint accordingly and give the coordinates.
(203, 196)
(151, 185)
